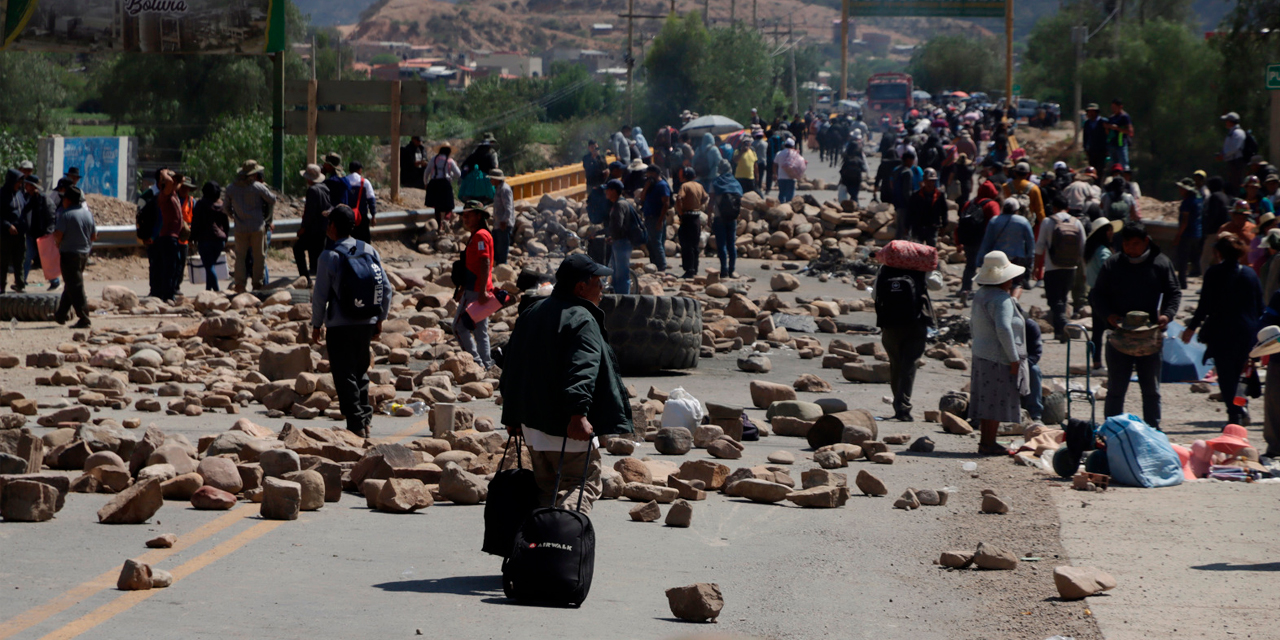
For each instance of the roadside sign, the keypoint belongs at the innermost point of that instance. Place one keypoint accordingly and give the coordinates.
(1273, 76)
(1017, 89)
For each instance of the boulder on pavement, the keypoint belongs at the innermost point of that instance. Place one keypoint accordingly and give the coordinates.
(673, 441)
(134, 505)
(1074, 583)
(460, 487)
(210, 498)
(764, 393)
(699, 602)
(870, 485)
(757, 490)
(312, 486)
(281, 499)
(680, 514)
(403, 495)
(647, 512)
(993, 557)
(821, 497)
(27, 501)
(134, 576)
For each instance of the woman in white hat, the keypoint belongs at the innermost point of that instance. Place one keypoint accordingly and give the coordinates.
(1269, 345)
(999, 375)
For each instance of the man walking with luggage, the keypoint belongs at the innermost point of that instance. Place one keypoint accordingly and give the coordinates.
(1138, 279)
(561, 387)
(350, 319)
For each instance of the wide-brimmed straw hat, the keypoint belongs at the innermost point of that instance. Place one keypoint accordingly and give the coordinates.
(997, 269)
(1103, 223)
(1268, 342)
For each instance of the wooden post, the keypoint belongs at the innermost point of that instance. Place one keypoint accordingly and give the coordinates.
(395, 141)
(313, 111)
(277, 121)
(631, 62)
(1275, 123)
(1008, 58)
(844, 52)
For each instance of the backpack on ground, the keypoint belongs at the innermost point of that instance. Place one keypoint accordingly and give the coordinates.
(728, 206)
(362, 283)
(973, 222)
(513, 495)
(636, 232)
(553, 556)
(1066, 245)
(148, 216)
(1250, 147)
(898, 300)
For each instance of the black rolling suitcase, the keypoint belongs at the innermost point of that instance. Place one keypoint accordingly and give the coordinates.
(553, 556)
(513, 495)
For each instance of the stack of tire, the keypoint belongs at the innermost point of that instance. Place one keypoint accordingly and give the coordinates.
(28, 307)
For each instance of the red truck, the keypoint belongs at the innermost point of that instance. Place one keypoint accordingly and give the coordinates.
(888, 93)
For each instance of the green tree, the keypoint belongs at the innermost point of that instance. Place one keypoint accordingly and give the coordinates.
(734, 75)
(957, 62)
(384, 58)
(672, 70)
(31, 88)
(1248, 40)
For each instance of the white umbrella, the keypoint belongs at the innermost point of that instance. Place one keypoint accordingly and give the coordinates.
(715, 125)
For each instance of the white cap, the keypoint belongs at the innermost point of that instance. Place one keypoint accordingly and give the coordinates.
(1059, 165)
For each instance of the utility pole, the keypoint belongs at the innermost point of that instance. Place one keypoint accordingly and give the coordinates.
(844, 51)
(277, 121)
(706, 13)
(755, 22)
(1079, 36)
(795, 97)
(733, 11)
(630, 60)
(1008, 58)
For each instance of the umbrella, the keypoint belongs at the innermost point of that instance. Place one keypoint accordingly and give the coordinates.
(959, 94)
(715, 125)
(1182, 362)
(921, 95)
(735, 138)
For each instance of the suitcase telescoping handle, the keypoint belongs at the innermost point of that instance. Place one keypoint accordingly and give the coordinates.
(586, 466)
(519, 438)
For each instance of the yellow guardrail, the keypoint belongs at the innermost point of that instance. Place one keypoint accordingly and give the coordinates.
(568, 181)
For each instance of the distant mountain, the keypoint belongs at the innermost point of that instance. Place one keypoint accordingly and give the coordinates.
(329, 13)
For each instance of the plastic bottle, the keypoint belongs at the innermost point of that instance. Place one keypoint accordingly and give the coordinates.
(971, 467)
(419, 407)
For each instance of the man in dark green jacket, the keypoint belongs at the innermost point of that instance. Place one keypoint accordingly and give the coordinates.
(561, 385)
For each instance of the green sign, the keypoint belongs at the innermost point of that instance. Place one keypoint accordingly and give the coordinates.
(1273, 76)
(146, 26)
(928, 8)
(1017, 89)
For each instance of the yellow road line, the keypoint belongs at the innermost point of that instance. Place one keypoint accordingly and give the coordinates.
(417, 426)
(107, 580)
(130, 599)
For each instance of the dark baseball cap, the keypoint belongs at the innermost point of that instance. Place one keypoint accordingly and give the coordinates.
(578, 267)
(614, 184)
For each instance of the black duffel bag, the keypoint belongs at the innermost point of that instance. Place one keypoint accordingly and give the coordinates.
(554, 554)
(513, 495)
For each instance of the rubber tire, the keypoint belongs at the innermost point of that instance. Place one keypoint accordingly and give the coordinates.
(1097, 462)
(653, 333)
(1064, 463)
(29, 307)
(298, 296)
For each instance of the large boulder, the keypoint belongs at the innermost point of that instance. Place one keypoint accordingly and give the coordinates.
(28, 501)
(764, 393)
(134, 505)
(284, 362)
(699, 602)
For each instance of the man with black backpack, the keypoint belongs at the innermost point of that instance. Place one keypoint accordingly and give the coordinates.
(1059, 252)
(904, 314)
(972, 226)
(351, 299)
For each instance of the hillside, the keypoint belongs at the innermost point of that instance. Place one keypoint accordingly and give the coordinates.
(331, 13)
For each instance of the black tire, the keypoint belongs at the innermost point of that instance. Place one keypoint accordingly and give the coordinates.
(653, 333)
(29, 307)
(1065, 463)
(298, 296)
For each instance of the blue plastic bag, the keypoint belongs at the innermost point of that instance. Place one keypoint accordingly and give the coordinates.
(1138, 455)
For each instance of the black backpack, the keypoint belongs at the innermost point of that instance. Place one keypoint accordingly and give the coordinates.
(513, 495)
(636, 232)
(729, 205)
(973, 222)
(553, 557)
(897, 300)
(147, 217)
(362, 284)
(1250, 147)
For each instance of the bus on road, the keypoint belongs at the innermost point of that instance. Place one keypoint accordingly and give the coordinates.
(888, 93)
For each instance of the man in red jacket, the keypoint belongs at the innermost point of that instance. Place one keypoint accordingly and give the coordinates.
(473, 336)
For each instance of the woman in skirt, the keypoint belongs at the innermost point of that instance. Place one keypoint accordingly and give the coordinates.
(999, 374)
(441, 174)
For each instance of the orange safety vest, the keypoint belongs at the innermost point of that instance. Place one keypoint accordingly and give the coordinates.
(187, 205)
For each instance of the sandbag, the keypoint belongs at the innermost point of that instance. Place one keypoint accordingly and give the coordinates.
(682, 410)
(902, 254)
(1138, 455)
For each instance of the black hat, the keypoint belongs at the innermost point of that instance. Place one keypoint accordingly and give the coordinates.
(616, 164)
(333, 159)
(73, 172)
(614, 184)
(578, 267)
(32, 179)
(74, 194)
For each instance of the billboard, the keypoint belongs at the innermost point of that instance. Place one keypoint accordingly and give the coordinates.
(107, 166)
(145, 26)
(927, 8)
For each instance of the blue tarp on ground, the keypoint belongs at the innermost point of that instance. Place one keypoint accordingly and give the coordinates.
(1182, 362)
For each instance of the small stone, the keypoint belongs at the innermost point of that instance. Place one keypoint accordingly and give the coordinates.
(907, 500)
(955, 559)
(829, 460)
(700, 602)
(755, 363)
(162, 541)
(782, 457)
(134, 576)
(810, 383)
(953, 424)
(28, 501)
(724, 449)
(923, 444)
(993, 504)
(181, 487)
(686, 490)
(647, 512)
(883, 457)
(1200, 387)
(900, 438)
(870, 485)
(281, 499)
(461, 487)
(220, 473)
(930, 497)
(705, 434)
(313, 488)
(621, 447)
(210, 498)
(647, 492)
(161, 578)
(1074, 583)
(993, 557)
(823, 497)
(134, 505)
(822, 478)
(633, 470)
(680, 514)
(956, 363)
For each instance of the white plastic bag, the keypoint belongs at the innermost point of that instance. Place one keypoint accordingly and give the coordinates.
(682, 410)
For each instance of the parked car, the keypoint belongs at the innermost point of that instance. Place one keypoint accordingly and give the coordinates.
(1027, 108)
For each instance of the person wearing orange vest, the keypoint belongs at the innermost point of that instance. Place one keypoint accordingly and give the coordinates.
(185, 187)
